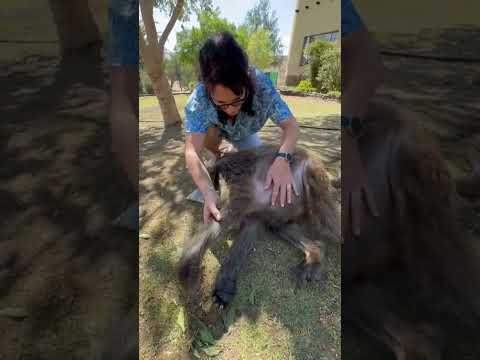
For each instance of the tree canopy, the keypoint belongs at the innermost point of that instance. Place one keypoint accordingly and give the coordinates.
(257, 44)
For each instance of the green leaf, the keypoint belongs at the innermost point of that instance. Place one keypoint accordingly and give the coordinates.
(206, 336)
(181, 319)
(212, 351)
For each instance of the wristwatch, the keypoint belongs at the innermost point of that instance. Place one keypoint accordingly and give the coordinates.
(285, 155)
(352, 124)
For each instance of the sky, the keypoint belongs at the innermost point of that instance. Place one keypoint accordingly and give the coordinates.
(235, 11)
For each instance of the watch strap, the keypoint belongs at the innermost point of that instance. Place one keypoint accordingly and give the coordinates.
(285, 155)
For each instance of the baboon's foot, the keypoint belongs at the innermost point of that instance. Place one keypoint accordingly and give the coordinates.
(308, 272)
(225, 289)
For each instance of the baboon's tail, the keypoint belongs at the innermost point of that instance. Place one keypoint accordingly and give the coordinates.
(194, 249)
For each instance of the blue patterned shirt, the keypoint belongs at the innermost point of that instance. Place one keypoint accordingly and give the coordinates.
(351, 21)
(200, 113)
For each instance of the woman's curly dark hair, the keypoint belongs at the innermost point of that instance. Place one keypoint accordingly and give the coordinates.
(223, 61)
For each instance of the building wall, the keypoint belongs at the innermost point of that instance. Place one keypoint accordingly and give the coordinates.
(320, 17)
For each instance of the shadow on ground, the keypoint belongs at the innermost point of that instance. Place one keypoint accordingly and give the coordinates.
(61, 261)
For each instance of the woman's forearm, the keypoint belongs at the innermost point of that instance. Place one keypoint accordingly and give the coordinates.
(198, 171)
(290, 135)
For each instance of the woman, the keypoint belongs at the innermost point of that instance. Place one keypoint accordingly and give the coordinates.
(233, 102)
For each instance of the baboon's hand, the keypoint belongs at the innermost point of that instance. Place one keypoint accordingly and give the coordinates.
(281, 176)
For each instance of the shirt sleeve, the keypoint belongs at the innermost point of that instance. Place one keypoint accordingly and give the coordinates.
(278, 109)
(351, 20)
(196, 114)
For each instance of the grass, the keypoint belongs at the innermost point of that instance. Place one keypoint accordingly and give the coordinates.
(271, 319)
(307, 110)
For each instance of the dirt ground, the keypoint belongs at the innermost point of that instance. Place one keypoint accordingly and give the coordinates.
(271, 320)
(65, 272)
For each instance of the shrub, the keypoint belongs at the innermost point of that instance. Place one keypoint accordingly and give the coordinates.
(305, 86)
(324, 68)
(329, 74)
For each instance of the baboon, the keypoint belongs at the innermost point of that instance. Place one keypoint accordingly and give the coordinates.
(411, 274)
(310, 223)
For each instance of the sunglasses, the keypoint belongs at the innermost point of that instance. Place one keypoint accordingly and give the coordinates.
(235, 104)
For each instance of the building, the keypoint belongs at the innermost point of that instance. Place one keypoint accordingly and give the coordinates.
(313, 20)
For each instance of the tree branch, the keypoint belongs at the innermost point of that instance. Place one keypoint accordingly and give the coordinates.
(171, 23)
(146, 7)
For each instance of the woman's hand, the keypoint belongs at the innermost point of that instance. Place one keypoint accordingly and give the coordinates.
(210, 206)
(281, 176)
(354, 185)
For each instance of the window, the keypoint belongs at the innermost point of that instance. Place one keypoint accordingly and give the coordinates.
(307, 40)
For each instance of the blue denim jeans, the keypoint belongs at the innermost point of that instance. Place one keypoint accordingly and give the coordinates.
(250, 142)
(123, 33)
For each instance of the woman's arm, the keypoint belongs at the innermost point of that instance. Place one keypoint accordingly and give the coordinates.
(194, 144)
(290, 134)
(362, 72)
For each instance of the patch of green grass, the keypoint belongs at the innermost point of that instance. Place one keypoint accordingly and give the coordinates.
(308, 110)
(160, 302)
(279, 320)
(148, 101)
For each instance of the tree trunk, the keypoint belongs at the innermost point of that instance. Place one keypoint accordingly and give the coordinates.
(165, 98)
(153, 57)
(76, 27)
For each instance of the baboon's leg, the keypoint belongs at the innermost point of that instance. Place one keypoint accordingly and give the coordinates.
(194, 250)
(312, 266)
(225, 285)
(370, 308)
